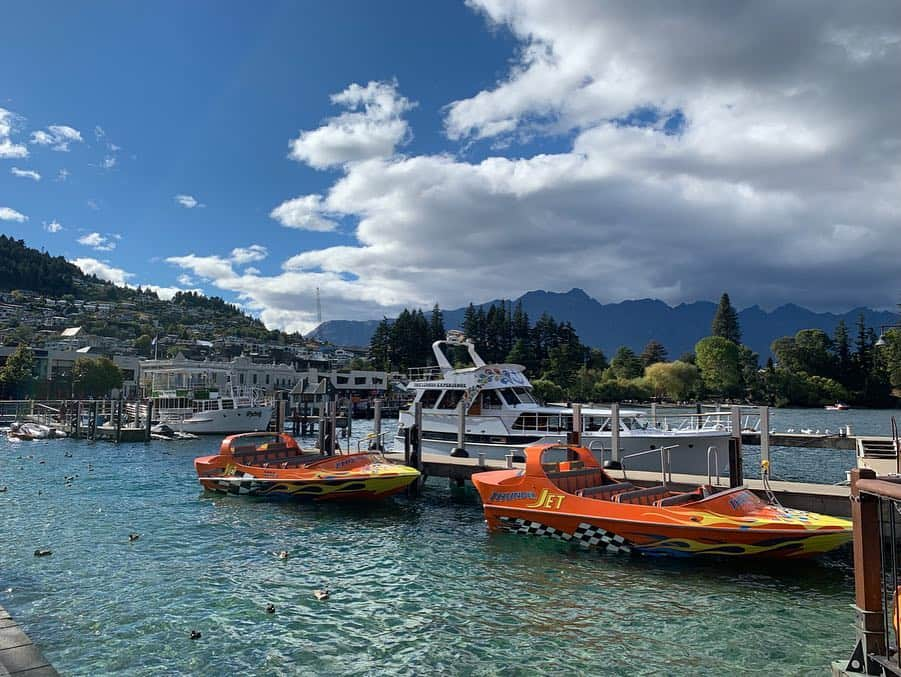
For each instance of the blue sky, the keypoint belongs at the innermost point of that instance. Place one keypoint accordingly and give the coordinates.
(479, 150)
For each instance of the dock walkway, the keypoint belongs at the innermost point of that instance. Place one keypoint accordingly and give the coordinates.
(19, 656)
(828, 499)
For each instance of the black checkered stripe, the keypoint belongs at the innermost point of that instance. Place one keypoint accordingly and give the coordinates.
(585, 535)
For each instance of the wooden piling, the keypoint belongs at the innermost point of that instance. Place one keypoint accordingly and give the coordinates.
(92, 424)
(148, 424)
(77, 428)
(117, 412)
(736, 469)
(376, 443)
(575, 435)
(460, 450)
(865, 514)
(765, 435)
(614, 432)
(332, 426)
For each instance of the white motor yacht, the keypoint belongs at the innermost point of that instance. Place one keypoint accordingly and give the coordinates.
(503, 417)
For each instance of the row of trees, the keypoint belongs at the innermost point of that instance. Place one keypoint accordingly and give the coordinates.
(88, 377)
(810, 368)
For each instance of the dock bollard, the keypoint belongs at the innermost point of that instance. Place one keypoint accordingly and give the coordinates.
(509, 459)
(481, 459)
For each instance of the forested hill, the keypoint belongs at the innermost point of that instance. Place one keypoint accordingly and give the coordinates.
(25, 269)
(633, 323)
(22, 267)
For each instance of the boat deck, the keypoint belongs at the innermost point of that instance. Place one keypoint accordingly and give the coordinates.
(828, 499)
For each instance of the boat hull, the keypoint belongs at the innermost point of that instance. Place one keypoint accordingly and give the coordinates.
(224, 421)
(621, 537)
(325, 490)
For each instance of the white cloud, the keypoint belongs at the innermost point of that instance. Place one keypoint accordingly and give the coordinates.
(99, 132)
(103, 270)
(25, 173)
(109, 162)
(187, 201)
(371, 127)
(101, 243)
(255, 252)
(10, 214)
(57, 136)
(8, 149)
(304, 213)
(186, 280)
(166, 293)
(678, 173)
(250, 270)
(63, 174)
(53, 227)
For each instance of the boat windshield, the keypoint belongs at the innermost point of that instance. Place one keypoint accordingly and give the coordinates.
(450, 400)
(632, 423)
(524, 395)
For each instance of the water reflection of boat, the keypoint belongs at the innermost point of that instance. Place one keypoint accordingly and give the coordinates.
(503, 416)
(274, 465)
(565, 494)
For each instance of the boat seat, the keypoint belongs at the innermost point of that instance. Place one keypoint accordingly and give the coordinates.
(571, 481)
(606, 492)
(642, 496)
(678, 499)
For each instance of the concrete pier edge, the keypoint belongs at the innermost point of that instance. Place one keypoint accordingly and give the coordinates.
(19, 656)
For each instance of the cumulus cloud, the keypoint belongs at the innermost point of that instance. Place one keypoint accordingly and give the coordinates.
(371, 127)
(101, 243)
(62, 174)
(689, 160)
(255, 252)
(10, 214)
(58, 137)
(186, 280)
(53, 227)
(188, 201)
(103, 270)
(304, 213)
(25, 173)
(9, 149)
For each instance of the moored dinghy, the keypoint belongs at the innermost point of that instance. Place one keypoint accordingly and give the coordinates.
(274, 465)
(564, 493)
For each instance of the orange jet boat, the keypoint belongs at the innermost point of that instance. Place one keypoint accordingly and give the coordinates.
(274, 465)
(575, 500)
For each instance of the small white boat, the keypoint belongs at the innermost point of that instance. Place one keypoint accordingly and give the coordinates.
(838, 406)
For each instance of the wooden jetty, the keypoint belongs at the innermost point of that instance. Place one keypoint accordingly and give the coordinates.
(19, 656)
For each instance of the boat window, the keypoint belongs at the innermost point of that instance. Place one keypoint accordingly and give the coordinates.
(429, 398)
(524, 395)
(510, 396)
(451, 399)
(491, 400)
(228, 404)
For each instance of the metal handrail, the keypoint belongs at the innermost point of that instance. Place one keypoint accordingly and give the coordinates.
(369, 439)
(716, 465)
(665, 465)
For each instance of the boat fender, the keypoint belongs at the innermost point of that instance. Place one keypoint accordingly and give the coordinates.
(612, 465)
(457, 452)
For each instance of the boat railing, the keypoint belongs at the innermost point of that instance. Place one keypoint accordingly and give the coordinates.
(709, 421)
(424, 373)
(665, 463)
(716, 465)
(373, 442)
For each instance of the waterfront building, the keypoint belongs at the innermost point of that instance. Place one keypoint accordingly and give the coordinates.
(240, 371)
(53, 370)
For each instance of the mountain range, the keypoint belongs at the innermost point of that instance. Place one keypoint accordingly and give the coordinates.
(633, 323)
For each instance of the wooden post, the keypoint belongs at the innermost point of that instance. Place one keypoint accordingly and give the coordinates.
(576, 433)
(332, 425)
(765, 435)
(460, 450)
(92, 424)
(348, 429)
(416, 447)
(148, 424)
(117, 413)
(376, 443)
(614, 432)
(654, 414)
(867, 570)
(280, 415)
(77, 430)
(736, 469)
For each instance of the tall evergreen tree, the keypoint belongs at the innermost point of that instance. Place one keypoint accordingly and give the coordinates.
(653, 352)
(436, 324)
(842, 347)
(725, 321)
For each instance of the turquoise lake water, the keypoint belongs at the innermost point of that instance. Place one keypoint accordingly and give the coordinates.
(417, 586)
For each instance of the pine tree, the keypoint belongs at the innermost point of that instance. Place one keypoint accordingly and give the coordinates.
(725, 321)
(653, 352)
(436, 324)
(842, 347)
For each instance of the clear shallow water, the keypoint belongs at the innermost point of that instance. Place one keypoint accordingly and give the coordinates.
(417, 586)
